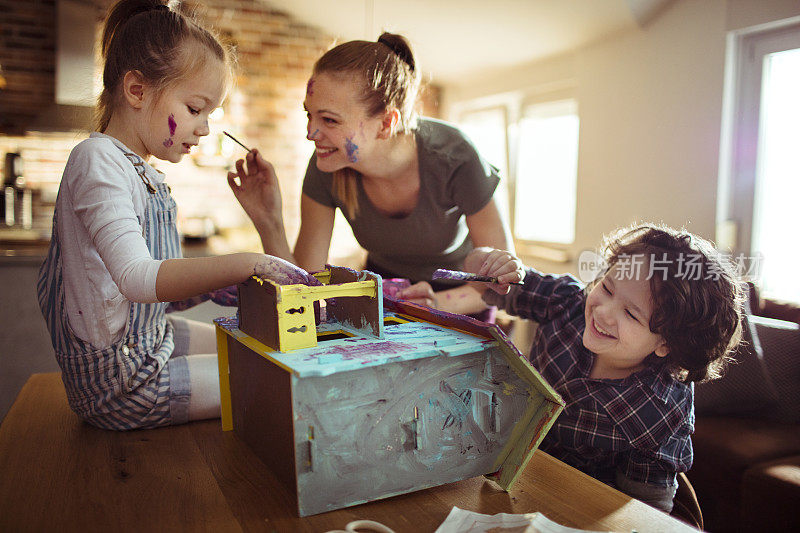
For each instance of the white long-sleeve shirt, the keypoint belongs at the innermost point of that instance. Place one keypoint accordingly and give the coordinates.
(106, 262)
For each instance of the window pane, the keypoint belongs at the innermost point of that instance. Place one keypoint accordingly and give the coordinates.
(547, 169)
(487, 130)
(778, 176)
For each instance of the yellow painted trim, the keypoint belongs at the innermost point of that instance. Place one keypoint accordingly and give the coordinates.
(409, 318)
(322, 334)
(354, 288)
(511, 472)
(261, 349)
(517, 433)
(526, 370)
(394, 320)
(297, 339)
(323, 276)
(224, 380)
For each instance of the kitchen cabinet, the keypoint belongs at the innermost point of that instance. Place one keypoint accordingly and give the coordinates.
(25, 346)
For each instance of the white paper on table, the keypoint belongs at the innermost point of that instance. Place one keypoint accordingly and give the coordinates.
(461, 521)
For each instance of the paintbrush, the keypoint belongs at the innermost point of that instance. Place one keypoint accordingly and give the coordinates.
(465, 276)
(237, 141)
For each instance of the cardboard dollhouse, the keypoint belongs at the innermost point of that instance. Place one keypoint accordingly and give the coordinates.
(380, 397)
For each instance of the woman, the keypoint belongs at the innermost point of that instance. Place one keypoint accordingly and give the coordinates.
(416, 193)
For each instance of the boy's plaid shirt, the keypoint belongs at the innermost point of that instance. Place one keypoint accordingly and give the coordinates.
(639, 426)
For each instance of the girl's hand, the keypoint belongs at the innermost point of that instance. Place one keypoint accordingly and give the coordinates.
(227, 297)
(419, 293)
(188, 303)
(503, 265)
(283, 272)
(257, 191)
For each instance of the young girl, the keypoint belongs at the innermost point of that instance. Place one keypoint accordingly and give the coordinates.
(114, 258)
(415, 191)
(625, 352)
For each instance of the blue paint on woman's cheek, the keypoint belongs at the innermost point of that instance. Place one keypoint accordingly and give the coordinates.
(352, 150)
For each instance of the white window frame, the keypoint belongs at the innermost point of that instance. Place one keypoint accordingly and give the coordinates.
(527, 111)
(746, 50)
(515, 104)
(503, 165)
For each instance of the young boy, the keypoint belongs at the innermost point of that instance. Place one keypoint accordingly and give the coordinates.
(625, 351)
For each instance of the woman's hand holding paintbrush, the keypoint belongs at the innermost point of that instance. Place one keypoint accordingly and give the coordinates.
(256, 187)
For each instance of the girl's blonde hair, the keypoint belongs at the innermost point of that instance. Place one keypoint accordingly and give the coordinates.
(149, 37)
(390, 80)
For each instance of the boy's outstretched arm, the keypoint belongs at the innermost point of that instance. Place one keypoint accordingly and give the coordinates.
(467, 298)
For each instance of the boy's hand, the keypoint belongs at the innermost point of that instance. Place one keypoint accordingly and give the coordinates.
(283, 272)
(419, 293)
(503, 265)
(257, 191)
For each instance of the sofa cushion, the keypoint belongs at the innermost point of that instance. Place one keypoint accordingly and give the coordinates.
(780, 343)
(730, 445)
(724, 448)
(764, 382)
(746, 388)
(771, 495)
(780, 310)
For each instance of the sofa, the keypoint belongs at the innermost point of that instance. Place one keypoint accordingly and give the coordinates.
(746, 472)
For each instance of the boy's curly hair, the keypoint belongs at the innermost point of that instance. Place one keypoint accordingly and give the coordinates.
(698, 298)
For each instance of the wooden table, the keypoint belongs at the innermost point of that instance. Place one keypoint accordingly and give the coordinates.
(57, 473)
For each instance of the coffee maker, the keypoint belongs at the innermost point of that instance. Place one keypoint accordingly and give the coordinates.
(17, 204)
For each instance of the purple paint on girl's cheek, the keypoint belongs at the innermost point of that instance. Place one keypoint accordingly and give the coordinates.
(352, 150)
(172, 126)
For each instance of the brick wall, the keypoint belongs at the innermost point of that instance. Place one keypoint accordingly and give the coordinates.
(27, 56)
(276, 53)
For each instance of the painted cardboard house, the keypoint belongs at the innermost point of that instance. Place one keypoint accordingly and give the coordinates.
(378, 398)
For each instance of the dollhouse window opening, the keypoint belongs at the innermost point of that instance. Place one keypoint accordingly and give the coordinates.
(323, 336)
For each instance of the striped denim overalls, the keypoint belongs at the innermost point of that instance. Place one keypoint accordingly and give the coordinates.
(133, 383)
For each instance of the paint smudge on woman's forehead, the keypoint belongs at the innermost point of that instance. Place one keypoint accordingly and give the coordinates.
(310, 87)
(352, 150)
(172, 127)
